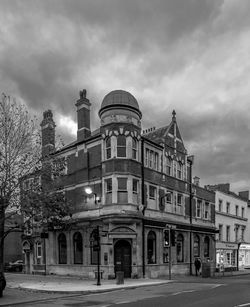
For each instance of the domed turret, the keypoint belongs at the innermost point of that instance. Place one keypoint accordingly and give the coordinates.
(120, 106)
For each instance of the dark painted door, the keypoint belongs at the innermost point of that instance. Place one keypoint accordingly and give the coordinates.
(123, 257)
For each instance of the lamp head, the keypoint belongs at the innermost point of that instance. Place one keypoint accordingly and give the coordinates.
(88, 190)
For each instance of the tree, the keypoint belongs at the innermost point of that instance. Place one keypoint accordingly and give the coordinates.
(21, 159)
(19, 155)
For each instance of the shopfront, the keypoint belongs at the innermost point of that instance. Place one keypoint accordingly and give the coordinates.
(244, 256)
(226, 256)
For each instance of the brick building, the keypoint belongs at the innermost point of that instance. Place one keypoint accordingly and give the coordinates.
(132, 186)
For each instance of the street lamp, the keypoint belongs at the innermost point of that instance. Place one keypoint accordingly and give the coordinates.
(89, 191)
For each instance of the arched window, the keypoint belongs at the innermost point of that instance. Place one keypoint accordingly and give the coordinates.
(151, 247)
(121, 146)
(134, 148)
(196, 246)
(93, 247)
(62, 249)
(77, 245)
(108, 148)
(168, 165)
(206, 247)
(179, 248)
(179, 170)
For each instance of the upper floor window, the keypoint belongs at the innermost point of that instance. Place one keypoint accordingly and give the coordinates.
(121, 146)
(242, 212)
(134, 148)
(198, 208)
(228, 233)
(220, 205)
(156, 159)
(179, 170)
(122, 193)
(228, 207)
(207, 211)
(236, 229)
(108, 148)
(152, 192)
(236, 210)
(242, 233)
(220, 232)
(108, 190)
(168, 165)
(135, 185)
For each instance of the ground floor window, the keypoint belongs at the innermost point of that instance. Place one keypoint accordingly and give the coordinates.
(179, 248)
(196, 246)
(77, 245)
(151, 247)
(206, 247)
(226, 257)
(62, 249)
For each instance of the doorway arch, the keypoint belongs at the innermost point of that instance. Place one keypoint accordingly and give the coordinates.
(122, 257)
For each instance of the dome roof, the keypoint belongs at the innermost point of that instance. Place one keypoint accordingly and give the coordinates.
(119, 98)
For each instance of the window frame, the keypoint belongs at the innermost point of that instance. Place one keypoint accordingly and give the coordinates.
(77, 254)
(151, 247)
(121, 148)
(62, 249)
(108, 148)
(150, 189)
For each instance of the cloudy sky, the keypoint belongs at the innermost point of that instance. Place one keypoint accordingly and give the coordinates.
(189, 55)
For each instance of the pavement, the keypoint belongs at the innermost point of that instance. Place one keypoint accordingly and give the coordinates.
(73, 285)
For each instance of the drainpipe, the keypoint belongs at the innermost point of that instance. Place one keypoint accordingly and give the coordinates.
(143, 210)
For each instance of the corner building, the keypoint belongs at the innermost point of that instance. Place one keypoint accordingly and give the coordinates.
(140, 186)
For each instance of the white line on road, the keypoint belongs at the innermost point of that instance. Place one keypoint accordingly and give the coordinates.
(185, 291)
(243, 305)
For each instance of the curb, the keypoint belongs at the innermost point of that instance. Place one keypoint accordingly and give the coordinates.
(87, 292)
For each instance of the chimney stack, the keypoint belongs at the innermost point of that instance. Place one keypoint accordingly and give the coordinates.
(83, 116)
(48, 133)
(197, 181)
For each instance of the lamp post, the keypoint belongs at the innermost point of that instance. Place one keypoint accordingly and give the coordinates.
(191, 161)
(97, 243)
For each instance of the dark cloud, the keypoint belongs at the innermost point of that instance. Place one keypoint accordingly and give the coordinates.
(188, 55)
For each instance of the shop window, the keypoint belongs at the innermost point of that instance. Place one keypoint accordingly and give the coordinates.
(108, 190)
(168, 166)
(62, 249)
(77, 245)
(206, 247)
(121, 146)
(134, 148)
(93, 250)
(151, 247)
(196, 246)
(122, 193)
(108, 148)
(179, 248)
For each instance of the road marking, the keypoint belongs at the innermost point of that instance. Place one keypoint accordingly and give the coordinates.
(243, 305)
(185, 291)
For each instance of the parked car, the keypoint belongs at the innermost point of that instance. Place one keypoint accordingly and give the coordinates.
(16, 266)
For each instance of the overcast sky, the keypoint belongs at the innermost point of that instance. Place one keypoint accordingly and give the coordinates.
(189, 55)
